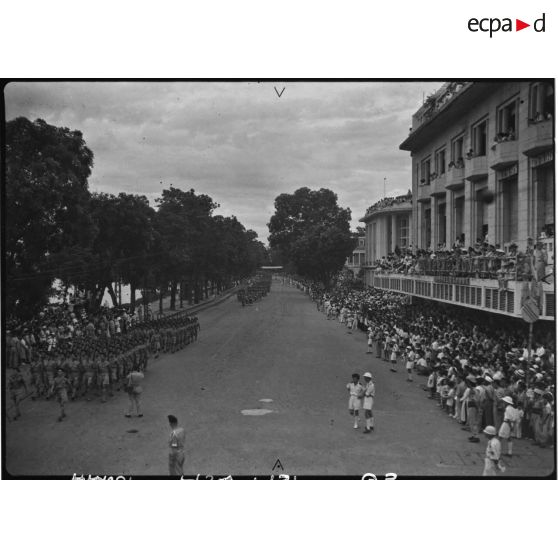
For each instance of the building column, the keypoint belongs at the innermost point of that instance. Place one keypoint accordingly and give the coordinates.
(410, 220)
(393, 231)
(451, 233)
(385, 235)
(494, 210)
(523, 205)
(368, 242)
(468, 213)
(434, 223)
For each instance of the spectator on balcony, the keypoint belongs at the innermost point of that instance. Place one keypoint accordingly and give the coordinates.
(541, 261)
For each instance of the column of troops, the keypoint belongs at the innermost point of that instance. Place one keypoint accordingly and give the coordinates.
(254, 291)
(97, 366)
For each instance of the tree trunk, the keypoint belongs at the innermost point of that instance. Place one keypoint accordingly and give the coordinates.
(132, 296)
(112, 294)
(181, 294)
(161, 291)
(205, 289)
(145, 301)
(173, 296)
(196, 291)
(98, 294)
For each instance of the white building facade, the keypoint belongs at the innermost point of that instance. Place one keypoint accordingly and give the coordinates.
(483, 164)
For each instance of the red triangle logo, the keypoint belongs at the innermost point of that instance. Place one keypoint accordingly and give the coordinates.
(519, 25)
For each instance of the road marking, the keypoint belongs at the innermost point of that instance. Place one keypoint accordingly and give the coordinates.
(256, 412)
(266, 400)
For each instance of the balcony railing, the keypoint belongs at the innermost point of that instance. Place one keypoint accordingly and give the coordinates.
(476, 167)
(438, 183)
(502, 296)
(455, 177)
(537, 137)
(505, 153)
(509, 268)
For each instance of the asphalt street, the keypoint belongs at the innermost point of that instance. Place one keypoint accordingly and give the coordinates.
(284, 363)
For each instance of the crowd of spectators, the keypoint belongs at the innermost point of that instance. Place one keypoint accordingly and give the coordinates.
(61, 323)
(390, 202)
(476, 365)
(483, 260)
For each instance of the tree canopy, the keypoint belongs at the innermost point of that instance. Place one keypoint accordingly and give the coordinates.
(46, 205)
(310, 233)
(57, 229)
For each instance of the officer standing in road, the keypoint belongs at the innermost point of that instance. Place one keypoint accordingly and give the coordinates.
(134, 388)
(176, 447)
(369, 394)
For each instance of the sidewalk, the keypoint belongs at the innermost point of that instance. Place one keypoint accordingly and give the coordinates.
(190, 308)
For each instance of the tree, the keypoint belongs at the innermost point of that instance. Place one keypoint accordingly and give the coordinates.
(47, 213)
(311, 233)
(183, 223)
(123, 246)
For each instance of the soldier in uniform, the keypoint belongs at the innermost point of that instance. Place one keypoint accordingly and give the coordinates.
(50, 369)
(103, 376)
(60, 388)
(16, 386)
(134, 388)
(88, 376)
(176, 447)
(120, 369)
(73, 374)
(113, 372)
(173, 339)
(156, 347)
(36, 377)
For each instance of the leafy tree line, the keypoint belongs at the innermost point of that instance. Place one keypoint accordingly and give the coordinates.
(57, 229)
(310, 234)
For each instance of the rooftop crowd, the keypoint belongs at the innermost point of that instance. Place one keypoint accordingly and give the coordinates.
(389, 202)
(477, 366)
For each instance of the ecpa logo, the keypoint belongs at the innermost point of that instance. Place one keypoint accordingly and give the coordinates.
(494, 24)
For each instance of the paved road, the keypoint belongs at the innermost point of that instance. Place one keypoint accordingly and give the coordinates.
(280, 349)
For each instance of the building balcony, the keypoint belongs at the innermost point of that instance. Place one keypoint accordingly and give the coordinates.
(438, 185)
(455, 178)
(423, 192)
(537, 137)
(489, 295)
(504, 154)
(476, 167)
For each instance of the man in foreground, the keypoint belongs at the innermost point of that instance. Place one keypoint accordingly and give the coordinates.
(176, 447)
(369, 394)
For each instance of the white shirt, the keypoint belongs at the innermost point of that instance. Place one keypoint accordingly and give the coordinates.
(369, 390)
(493, 449)
(355, 389)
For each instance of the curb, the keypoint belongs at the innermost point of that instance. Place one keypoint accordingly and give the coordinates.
(204, 305)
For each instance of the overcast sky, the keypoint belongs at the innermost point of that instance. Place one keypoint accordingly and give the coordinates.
(238, 142)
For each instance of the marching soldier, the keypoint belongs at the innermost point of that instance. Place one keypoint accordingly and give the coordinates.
(36, 377)
(16, 386)
(60, 388)
(103, 377)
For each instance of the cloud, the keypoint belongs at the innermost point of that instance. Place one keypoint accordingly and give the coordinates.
(236, 141)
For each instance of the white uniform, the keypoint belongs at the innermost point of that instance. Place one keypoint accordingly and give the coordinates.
(492, 456)
(356, 392)
(369, 393)
(511, 416)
